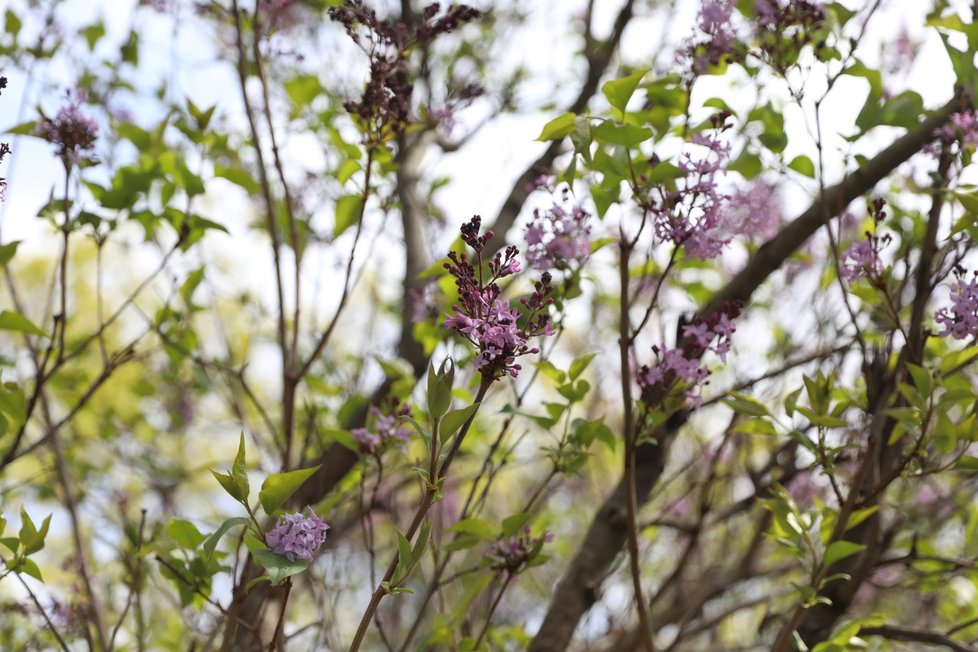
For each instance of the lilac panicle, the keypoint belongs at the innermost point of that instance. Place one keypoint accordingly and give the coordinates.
(960, 321)
(692, 213)
(753, 211)
(72, 131)
(558, 239)
(497, 329)
(682, 364)
(297, 536)
(387, 428)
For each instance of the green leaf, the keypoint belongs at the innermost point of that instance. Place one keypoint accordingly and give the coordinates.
(439, 391)
(839, 550)
(579, 365)
(12, 23)
(475, 526)
(302, 90)
(32, 539)
(629, 136)
(227, 482)
(513, 524)
(211, 543)
(30, 567)
(747, 164)
(14, 321)
(185, 533)
(558, 128)
(278, 487)
(619, 91)
(746, 404)
(239, 473)
(7, 252)
(347, 213)
(454, 419)
(803, 165)
(238, 177)
(279, 568)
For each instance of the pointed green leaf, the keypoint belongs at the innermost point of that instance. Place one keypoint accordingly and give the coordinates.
(279, 487)
(14, 321)
(454, 419)
(185, 533)
(558, 128)
(619, 91)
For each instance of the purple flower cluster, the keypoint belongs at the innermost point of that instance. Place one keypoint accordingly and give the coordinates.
(753, 210)
(691, 213)
(297, 536)
(73, 132)
(962, 127)
(718, 40)
(862, 258)
(387, 428)
(557, 238)
(498, 330)
(511, 555)
(682, 364)
(961, 320)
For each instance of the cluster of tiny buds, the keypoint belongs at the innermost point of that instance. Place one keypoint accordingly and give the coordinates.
(470, 234)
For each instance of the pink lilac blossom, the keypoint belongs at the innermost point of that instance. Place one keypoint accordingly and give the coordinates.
(297, 536)
(387, 428)
(862, 258)
(510, 556)
(682, 364)
(557, 239)
(691, 214)
(753, 211)
(73, 132)
(960, 321)
(484, 317)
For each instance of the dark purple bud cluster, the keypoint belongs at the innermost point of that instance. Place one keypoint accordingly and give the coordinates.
(73, 132)
(499, 332)
(511, 555)
(384, 108)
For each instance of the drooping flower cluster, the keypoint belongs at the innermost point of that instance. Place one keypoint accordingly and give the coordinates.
(297, 536)
(691, 214)
(683, 363)
(556, 238)
(717, 42)
(73, 132)
(753, 211)
(961, 320)
(387, 428)
(498, 330)
(385, 104)
(511, 555)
